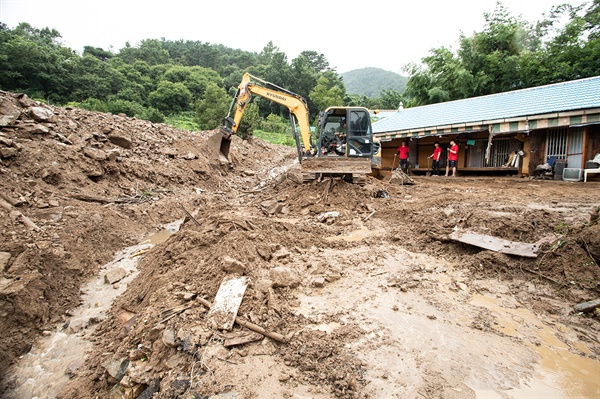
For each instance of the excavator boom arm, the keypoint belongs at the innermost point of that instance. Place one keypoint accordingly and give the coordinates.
(293, 102)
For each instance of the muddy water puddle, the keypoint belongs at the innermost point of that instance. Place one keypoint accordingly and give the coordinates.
(426, 331)
(559, 373)
(48, 366)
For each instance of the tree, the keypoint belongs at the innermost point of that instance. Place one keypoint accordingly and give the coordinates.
(391, 99)
(170, 97)
(211, 110)
(325, 94)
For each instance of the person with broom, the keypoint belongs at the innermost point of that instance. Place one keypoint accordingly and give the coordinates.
(437, 153)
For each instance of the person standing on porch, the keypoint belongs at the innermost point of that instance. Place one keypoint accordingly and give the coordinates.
(403, 156)
(437, 153)
(452, 158)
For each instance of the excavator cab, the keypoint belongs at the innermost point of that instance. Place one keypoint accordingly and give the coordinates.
(345, 132)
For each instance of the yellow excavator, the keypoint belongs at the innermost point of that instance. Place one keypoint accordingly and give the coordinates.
(344, 148)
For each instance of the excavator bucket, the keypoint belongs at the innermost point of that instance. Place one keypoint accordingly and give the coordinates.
(219, 143)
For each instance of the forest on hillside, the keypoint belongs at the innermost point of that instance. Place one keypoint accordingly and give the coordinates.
(159, 79)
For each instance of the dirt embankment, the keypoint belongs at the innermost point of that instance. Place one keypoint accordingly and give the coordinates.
(91, 184)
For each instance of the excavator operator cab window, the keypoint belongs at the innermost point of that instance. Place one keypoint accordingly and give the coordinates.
(360, 141)
(333, 136)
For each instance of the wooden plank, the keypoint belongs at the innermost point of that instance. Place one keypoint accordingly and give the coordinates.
(587, 306)
(496, 244)
(227, 302)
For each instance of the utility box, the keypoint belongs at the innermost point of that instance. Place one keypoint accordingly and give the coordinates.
(559, 167)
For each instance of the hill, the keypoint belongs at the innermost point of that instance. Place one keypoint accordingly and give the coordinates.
(371, 81)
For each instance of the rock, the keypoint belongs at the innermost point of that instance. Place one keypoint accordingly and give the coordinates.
(190, 156)
(8, 152)
(25, 101)
(265, 252)
(42, 114)
(318, 282)
(114, 275)
(116, 368)
(174, 361)
(271, 207)
(282, 253)
(149, 392)
(134, 392)
(327, 216)
(94, 153)
(9, 113)
(284, 277)
(113, 154)
(36, 129)
(120, 140)
(168, 338)
(231, 265)
(462, 286)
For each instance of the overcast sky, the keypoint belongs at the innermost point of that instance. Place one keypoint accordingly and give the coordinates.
(378, 33)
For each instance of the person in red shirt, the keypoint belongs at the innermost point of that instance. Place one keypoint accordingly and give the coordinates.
(403, 156)
(452, 158)
(437, 153)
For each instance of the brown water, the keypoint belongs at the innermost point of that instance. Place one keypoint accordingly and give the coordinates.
(46, 369)
(424, 337)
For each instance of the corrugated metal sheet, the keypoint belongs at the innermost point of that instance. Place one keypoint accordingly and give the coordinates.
(559, 97)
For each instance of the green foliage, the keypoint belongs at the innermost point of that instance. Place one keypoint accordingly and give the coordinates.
(153, 115)
(211, 110)
(276, 138)
(276, 124)
(249, 122)
(184, 120)
(170, 97)
(93, 104)
(327, 94)
(129, 108)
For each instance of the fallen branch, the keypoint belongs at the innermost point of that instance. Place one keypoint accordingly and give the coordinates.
(26, 221)
(172, 313)
(371, 214)
(249, 325)
(190, 215)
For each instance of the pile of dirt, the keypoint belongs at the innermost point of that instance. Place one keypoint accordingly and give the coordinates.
(78, 186)
(90, 184)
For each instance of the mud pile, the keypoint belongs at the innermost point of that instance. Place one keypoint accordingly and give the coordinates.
(76, 186)
(79, 186)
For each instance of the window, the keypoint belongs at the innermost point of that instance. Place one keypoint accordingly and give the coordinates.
(556, 144)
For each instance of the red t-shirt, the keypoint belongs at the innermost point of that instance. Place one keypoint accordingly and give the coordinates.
(451, 156)
(437, 152)
(403, 152)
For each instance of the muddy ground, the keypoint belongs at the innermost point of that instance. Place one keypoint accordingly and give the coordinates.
(373, 302)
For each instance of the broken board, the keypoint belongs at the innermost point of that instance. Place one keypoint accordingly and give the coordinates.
(227, 302)
(496, 244)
